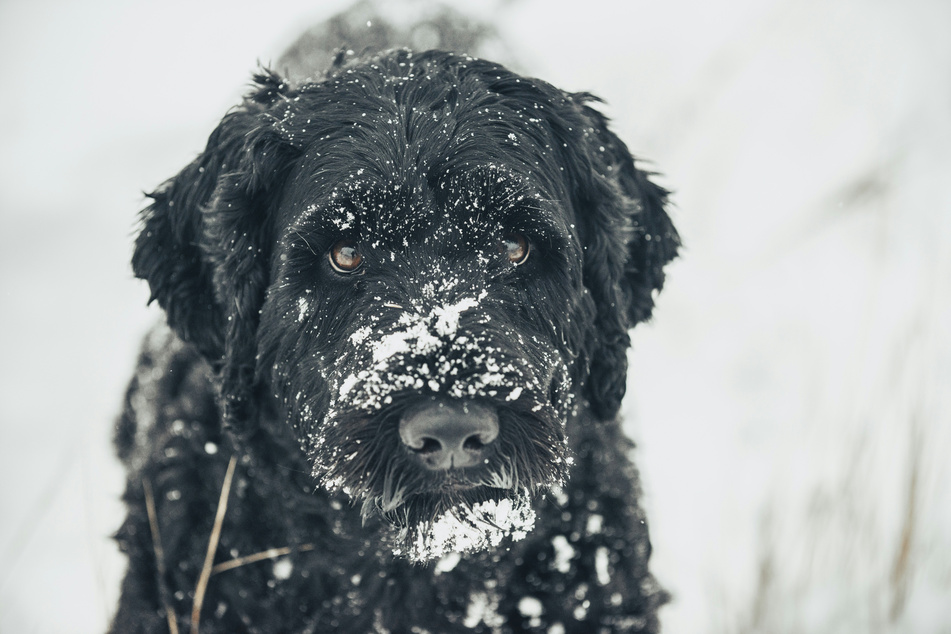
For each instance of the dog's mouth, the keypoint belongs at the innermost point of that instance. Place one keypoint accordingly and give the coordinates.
(415, 496)
(432, 514)
(452, 486)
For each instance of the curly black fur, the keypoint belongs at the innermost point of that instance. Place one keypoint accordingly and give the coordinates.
(426, 161)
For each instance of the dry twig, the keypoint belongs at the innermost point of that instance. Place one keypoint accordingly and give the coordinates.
(159, 555)
(270, 553)
(202, 585)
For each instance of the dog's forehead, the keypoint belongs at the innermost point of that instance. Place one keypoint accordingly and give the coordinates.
(407, 208)
(408, 154)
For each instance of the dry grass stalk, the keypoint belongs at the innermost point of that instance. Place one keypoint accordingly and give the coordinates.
(159, 555)
(901, 570)
(202, 585)
(270, 553)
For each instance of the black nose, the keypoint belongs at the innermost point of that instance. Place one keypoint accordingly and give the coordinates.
(449, 435)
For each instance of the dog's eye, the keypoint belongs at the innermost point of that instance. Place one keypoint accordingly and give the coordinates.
(345, 257)
(516, 248)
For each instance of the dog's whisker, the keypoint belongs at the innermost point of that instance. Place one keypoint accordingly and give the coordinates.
(305, 241)
(368, 508)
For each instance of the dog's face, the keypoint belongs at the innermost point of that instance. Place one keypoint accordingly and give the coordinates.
(429, 261)
(427, 309)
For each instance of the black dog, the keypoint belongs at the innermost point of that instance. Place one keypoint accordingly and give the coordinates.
(399, 301)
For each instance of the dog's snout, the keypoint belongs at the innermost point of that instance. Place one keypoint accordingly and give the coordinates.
(449, 435)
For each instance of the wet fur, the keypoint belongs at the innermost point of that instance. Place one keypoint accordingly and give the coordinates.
(397, 151)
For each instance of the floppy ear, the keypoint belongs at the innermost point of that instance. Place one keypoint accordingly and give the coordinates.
(628, 238)
(204, 245)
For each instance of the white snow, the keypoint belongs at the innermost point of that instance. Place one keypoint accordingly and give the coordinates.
(282, 568)
(447, 317)
(463, 529)
(564, 553)
(602, 559)
(422, 333)
(303, 307)
(789, 400)
(530, 607)
(447, 563)
(482, 608)
(594, 524)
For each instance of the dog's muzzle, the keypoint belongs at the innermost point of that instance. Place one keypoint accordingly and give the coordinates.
(444, 435)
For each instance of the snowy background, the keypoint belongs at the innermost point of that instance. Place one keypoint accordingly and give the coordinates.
(791, 400)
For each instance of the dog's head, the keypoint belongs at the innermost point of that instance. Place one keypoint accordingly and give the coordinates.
(430, 261)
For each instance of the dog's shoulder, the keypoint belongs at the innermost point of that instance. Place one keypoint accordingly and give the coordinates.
(170, 395)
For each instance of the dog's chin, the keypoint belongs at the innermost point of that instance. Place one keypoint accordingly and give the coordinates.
(459, 518)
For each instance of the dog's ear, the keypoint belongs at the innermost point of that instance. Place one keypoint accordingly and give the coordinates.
(204, 245)
(627, 237)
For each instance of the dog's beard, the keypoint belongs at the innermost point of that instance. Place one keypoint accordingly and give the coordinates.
(467, 526)
(434, 513)
(459, 513)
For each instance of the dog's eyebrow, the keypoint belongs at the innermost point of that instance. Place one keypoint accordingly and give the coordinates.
(343, 198)
(491, 186)
(487, 195)
(512, 200)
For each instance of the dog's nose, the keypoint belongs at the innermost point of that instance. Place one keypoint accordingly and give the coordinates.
(449, 435)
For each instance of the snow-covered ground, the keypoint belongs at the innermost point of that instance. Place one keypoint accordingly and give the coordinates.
(791, 401)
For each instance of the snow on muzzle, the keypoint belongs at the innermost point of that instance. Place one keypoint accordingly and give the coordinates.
(456, 352)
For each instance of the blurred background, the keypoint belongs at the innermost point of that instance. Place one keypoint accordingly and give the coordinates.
(791, 401)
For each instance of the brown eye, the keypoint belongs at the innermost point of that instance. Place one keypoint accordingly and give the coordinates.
(344, 257)
(516, 248)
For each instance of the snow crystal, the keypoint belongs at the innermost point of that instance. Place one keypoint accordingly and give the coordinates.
(601, 561)
(530, 607)
(448, 563)
(303, 306)
(348, 384)
(399, 342)
(282, 569)
(360, 335)
(595, 522)
(564, 553)
(482, 609)
(561, 498)
(447, 317)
